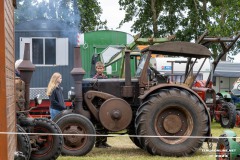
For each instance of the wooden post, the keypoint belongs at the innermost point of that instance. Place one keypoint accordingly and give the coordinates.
(7, 86)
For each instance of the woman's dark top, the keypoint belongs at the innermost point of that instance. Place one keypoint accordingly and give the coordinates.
(57, 100)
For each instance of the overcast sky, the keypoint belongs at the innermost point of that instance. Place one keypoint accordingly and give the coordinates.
(113, 15)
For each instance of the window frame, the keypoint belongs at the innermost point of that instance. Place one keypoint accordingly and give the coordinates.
(61, 57)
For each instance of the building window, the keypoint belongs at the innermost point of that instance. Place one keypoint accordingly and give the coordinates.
(46, 50)
(37, 49)
(50, 51)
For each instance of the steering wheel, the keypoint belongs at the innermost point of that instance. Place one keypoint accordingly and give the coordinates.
(154, 70)
(157, 74)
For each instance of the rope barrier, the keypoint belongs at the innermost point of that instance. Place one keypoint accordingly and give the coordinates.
(113, 135)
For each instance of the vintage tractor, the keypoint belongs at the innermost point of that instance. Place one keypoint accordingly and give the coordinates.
(227, 146)
(220, 108)
(223, 111)
(160, 117)
(233, 97)
(37, 141)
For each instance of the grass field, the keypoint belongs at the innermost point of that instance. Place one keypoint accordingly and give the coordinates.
(123, 149)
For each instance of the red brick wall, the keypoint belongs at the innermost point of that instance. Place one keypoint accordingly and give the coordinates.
(7, 96)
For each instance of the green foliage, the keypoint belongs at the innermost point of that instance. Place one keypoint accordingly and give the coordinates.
(79, 13)
(90, 12)
(172, 17)
(186, 19)
(225, 20)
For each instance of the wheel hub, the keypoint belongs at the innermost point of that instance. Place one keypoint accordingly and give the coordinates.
(72, 139)
(115, 114)
(172, 124)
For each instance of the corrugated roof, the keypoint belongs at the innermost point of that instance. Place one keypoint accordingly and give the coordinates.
(227, 69)
(177, 48)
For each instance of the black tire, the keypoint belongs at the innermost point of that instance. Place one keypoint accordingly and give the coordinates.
(172, 112)
(135, 140)
(49, 147)
(77, 124)
(228, 120)
(23, 142)
(223, 148)
(219, 103)
(61, 114)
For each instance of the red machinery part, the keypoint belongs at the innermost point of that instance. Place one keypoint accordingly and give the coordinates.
(42, 110)
(237, 124)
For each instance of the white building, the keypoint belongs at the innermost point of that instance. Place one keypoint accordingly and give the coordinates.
(176, 66)
(225, 75)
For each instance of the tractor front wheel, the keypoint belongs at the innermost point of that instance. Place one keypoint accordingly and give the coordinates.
(23, 142)
(167, 119)
(82, 138)
(218, 108)
(47, 146)
(223, 148)
(228, 118)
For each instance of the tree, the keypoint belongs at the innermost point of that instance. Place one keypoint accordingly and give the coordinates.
(24, 12)
(225, 21)
(81, 13)
(160, 17)
(154, 17)
(187, 19)
(90, 12)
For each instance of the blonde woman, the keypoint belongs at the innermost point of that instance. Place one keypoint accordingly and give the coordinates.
(54, 92)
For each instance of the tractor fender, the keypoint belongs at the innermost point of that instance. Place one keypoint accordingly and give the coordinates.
(227, 145)
(155, 89)
(224, 94)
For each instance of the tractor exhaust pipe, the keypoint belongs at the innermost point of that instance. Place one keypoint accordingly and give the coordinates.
(77, 73)
(26, 69)
(127, 89)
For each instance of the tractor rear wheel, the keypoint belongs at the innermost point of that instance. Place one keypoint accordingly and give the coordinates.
(47, 146)
(228, 119)
(167, 119)
(84, 140)
(134, 138)
(23, 142)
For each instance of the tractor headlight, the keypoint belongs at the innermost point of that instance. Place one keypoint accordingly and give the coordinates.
(209, 100)
(209, 96)
(71, 94)
(38, 99)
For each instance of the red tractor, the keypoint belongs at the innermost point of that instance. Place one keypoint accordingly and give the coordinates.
(221, 109)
